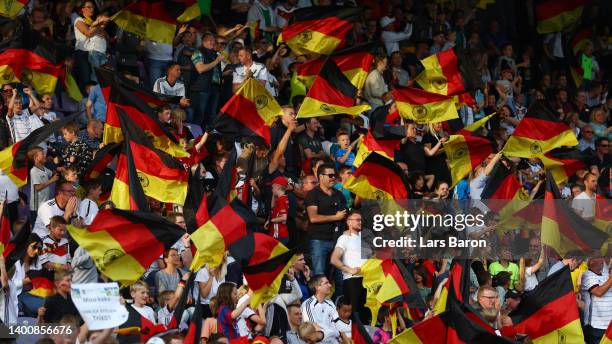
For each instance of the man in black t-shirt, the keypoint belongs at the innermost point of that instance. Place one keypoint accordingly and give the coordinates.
(412, 152)
(326, 208)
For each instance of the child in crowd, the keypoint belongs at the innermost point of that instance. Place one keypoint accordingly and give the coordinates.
(77, 153)
(277, 226)
(41, 178)
(55, 253)
(229, 310)
(343, 322)
(345, 173)
(164, 314)
(139, 291)
(344, 155)
(88, 208)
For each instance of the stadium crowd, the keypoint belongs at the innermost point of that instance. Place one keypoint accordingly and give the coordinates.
(297, 184)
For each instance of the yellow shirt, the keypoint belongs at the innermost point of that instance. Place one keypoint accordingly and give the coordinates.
(582, 268)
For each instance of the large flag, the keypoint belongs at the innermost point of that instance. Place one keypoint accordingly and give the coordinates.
(563, 229)
(538, 132)
(331, 93)
(161, 176)
(42, 283)
(457, 285)
(137, 328)
(265, 261)
(11, 8)
(428, 331)
(119, 94)
(359, 335)
(464, 325)
(123, 244)
(27, 67)
(127, 192)
(319, 30)
(381, 138)
(17, 246)
(379, 178)
(226, 225)
(424, 107)
(554, 16)
(465, 153)
(194, 331)
(250, 112)
(354, 62)
(441, 74)
(472, 128)
(603, 213)
(563, 163)
(549, 313)
(369, 144)
(607, 337)
(13, 159)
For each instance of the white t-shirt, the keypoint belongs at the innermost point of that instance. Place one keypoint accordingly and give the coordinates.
(46, 211)
(39, 176)
(259, 73)
(163, 87)
(531, 281)
(243, 329)
(93, 43)
(598, 310)
(55, 252)
(351, 256)
(341, 326)
(202, 277)
(8, 189)
(146, 312)
(87, 210)
(584, 205)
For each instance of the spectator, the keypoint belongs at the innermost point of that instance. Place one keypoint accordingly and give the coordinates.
(375, 87)
(249, 68)
(277, 226)
(95, 106)
(90, 48)
(572, 259)
(55, 254)
(505, 264)
(88, 207)
(261, 12)
(77, 154)
(205, 82)
(29, 261)
(344, 156)
(171, 84)
(320, 311)
(41, 178)
(584, 203)
(595, 290)
(587, 140)
(158, 57)
(19, 119)
(310, 142)
(391, 38)
(397, 76)
(295, 320)
(229, 310)
(59, 304)
(64, 204)
(92, 134)
(139, 291)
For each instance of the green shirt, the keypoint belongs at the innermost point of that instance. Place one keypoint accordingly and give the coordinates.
(587, 67)
(512, 268)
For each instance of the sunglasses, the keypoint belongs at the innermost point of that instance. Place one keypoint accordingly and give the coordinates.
(329, 175)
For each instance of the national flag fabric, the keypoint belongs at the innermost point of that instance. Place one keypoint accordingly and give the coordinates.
(369, 144)
(382, 124)
(472, 128)
(355, 63)
(196, 204)
(119, 94)
(577, 75)
(162, 177)
(384, 284)
(42, 283)
(580, 39)
(465, 153)
(5, 227)
(359, 335)
(331, 93)
(265, 278)
(194, 331)
(465, 326)
(319, 30)
(226, 226)
(555, 16)
(538, 132)
(549, 313)
(429, 331)
(505, 195)
(563, 163)
(13, 159)
(250, 112)
(457, 284)
(17, 246)
(607, 337)
(11, 8)
(123, 244)
(137, 328)
(424, 107)
(603, 213)
(127, 192)
(562, 229)
(100, 161)
(379, 178)
(441, 74)
(256, 248)
(194, 9)
(71, 88)
(29, 68)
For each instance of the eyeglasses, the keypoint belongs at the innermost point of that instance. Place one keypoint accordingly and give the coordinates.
(329, 175)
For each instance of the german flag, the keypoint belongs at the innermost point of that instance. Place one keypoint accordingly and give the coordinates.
(265, 278)
(123, 244)
(161, 176)
(505, 195)
(127, 192)
(424, 107)
(384, 284)
(382, 124)
(137, 328)
(331, 93)
(577, 75)
(457, 285)
(607, 338)
(379, 178)
(563, 229)
(42, 283)
(13, 159)
(441, 74)
(250, 112)
(226, 226)
(603, 213)
(319, 30)
(355, 63)
(464, 325)
(555, 16)
(119, 94)
(563, 163)
(256, 248)
(194, 9)
(101, 161)
(194, 331)
(5, 228)
(16, 248)
(369, 144)
(11, 8)
(465, 153)
(70, 87)
(549, 313)
(196, 204)
(30, 68)
(539, 132)
(580, 39)
(428, 331)
(359, 335)
(472, 128)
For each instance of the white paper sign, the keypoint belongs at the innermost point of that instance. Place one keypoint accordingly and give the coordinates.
(98, 304)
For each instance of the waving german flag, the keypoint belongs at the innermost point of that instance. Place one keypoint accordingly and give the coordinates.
(472, 128)
(319, 30)
(607, 338)
(14, 160)
(265, 261)
(369, 144)
(5, 228)
(137, 328)
(359, 335)
(119, 94)
(424, 107)
(42, 283)
(11, 8)
(563, 163)
(379, 178)
(549, 313)
(465, 153)
(123, 244)
(25, 66)
(384, 284)
(441, 74)
(428, 331)
(331, 93)
(554, 16)
(563, 229)
(539, 132)
(355, 63)
(101, 160)
(505, 195)
(249, 112)
(161, 176)
(457, 285)
(381, 137)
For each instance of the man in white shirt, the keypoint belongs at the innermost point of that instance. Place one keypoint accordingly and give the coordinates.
(318, 309)
(584, 203)
(64, 204)
(19, 119)
(597, 295)
(249, 68)
(170, 84)
(348, 258)
(392, 38)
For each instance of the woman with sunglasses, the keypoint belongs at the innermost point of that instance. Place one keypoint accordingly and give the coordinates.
(21, 280)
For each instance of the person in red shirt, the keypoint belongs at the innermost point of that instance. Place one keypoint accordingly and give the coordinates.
(277, 225)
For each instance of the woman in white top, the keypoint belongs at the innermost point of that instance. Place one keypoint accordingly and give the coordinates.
(90, 43)
(20, 280)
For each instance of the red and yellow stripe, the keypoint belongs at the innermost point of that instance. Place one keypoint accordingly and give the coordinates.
(554, 15)
(424, 107)
(149, 20)
(464, 153)
(441, 74)
(21, 65)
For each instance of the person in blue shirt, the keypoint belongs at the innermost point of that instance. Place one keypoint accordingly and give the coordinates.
(344, 156)
(95, 106)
